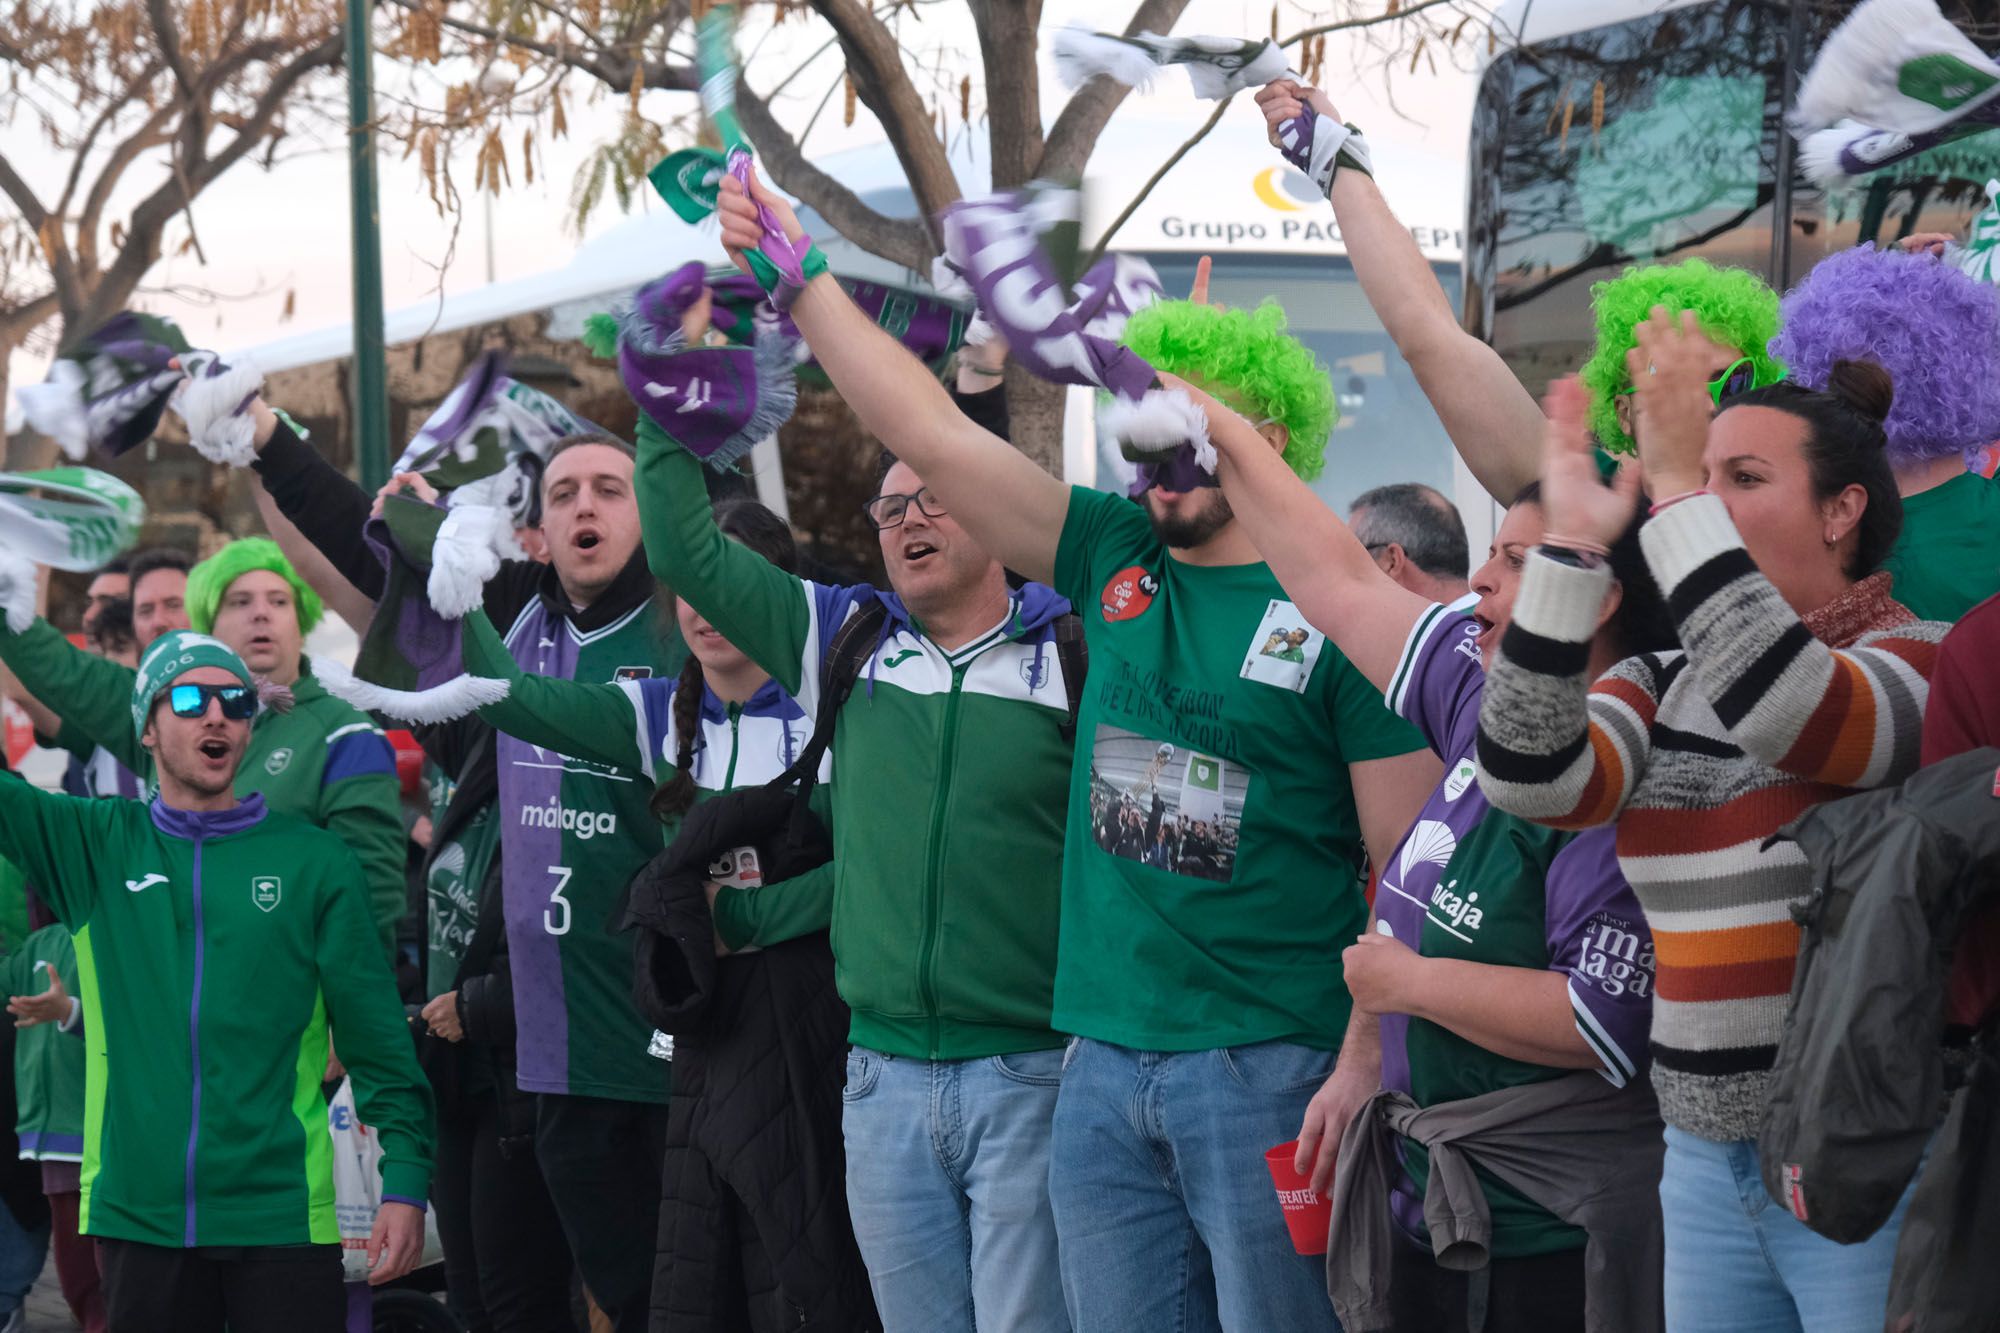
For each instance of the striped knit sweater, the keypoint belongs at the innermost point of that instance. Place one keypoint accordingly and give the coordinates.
(1699, 756)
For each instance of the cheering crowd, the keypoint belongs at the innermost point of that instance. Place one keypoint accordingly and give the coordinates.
(946, 956)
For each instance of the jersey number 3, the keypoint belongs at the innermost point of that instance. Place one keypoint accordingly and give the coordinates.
(555, 917)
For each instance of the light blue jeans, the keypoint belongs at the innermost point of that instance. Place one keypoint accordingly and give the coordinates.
(1739, 1262)
(948, 1187)
(1168, 1218)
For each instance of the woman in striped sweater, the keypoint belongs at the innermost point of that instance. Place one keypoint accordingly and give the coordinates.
(1800, 680)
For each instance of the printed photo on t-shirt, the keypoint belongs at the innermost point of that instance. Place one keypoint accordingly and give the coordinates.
(1164, 805)
(1284, 648)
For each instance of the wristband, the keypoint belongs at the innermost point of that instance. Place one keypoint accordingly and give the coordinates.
(1672, 500)
(1319, 146)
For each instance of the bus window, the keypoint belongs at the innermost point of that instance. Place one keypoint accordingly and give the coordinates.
(1387, 430)
(1653, 139)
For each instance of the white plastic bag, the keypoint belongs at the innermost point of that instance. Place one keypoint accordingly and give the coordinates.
(357, 1186)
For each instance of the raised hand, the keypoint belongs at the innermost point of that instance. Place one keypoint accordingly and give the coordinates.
(404, 483)
(1576, 504)
(1286, 99)
(1670, 366)
(742, 224)
(1930, 243)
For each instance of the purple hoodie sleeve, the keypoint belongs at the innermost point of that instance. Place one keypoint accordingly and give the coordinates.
(1598, 935)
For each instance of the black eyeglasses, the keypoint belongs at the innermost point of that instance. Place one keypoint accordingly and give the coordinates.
(889, 511)
(239, 702)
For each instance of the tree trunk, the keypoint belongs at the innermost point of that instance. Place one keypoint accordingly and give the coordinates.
(1035, 418)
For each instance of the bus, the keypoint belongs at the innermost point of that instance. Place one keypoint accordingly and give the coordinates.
(1609, 134)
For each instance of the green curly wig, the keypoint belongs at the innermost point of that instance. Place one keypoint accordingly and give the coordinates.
(1246, 356)
(1735, 308)
(211, 578)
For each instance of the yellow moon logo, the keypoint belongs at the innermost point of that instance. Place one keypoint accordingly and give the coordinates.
(1265, 184)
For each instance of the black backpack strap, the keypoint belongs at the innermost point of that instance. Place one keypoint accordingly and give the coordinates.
(1074, 657)
(840, 666)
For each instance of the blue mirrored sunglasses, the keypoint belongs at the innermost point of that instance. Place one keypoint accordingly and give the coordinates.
(239, 702)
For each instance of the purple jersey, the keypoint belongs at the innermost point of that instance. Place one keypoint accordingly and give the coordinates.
(1472, 882)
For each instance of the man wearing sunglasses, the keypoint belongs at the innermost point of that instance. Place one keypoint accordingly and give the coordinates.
(316, 757)
(217, 943)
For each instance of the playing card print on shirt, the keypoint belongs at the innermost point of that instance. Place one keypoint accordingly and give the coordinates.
(1284, 649)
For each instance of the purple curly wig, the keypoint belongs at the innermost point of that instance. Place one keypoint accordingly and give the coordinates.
(1934, 329)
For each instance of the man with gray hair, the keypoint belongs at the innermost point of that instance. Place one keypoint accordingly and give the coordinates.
(1417, 538)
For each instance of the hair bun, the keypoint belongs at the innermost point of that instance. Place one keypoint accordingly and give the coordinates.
(1863, 386)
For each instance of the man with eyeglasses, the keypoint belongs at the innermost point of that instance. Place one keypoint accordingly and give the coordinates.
(951, 770)
(313, 756)
(217, 943)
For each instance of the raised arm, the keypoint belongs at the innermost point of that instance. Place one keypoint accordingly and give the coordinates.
(317, 505)
(1491, 417)
(1851, 717)
(93, 695)
(1337, 586)
(1552, 748)
(53, 840)
(1009, 505)
(596, 722)
(765, 612)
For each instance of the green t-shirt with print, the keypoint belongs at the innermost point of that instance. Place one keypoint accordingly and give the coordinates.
(1211, 858)
(1948, 559)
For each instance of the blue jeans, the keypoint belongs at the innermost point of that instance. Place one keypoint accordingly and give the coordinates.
(1738, 1260)
(22, 1254)
(948, 1187)
(1168, 1218)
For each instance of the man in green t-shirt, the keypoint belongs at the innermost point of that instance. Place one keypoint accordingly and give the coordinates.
(1206, 995)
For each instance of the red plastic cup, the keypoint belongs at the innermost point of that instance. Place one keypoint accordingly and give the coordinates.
(1307, 1214)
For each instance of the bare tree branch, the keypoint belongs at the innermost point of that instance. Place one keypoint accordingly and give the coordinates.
(150, 218)
(83, 149)
(1132, 205)
(1393, 16)
(876, 60)
(904, 241)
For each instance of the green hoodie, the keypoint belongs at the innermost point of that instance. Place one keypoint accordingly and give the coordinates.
(322, 761)
(214, 952)
(950, 776)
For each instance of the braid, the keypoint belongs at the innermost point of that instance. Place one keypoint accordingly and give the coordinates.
(674, 796)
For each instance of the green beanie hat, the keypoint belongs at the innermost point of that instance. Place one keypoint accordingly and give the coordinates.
(211, 578)
(172, 656)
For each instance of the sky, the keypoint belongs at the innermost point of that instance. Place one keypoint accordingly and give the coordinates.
(284, 234)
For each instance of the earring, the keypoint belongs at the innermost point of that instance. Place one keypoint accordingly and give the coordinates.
(1831, 539)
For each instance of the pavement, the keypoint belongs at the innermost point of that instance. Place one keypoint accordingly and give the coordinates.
(46, 1311)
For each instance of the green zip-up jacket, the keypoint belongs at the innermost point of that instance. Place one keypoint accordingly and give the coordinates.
(950, 778)
(322, 761)
(214, 952)
(48, 1057)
